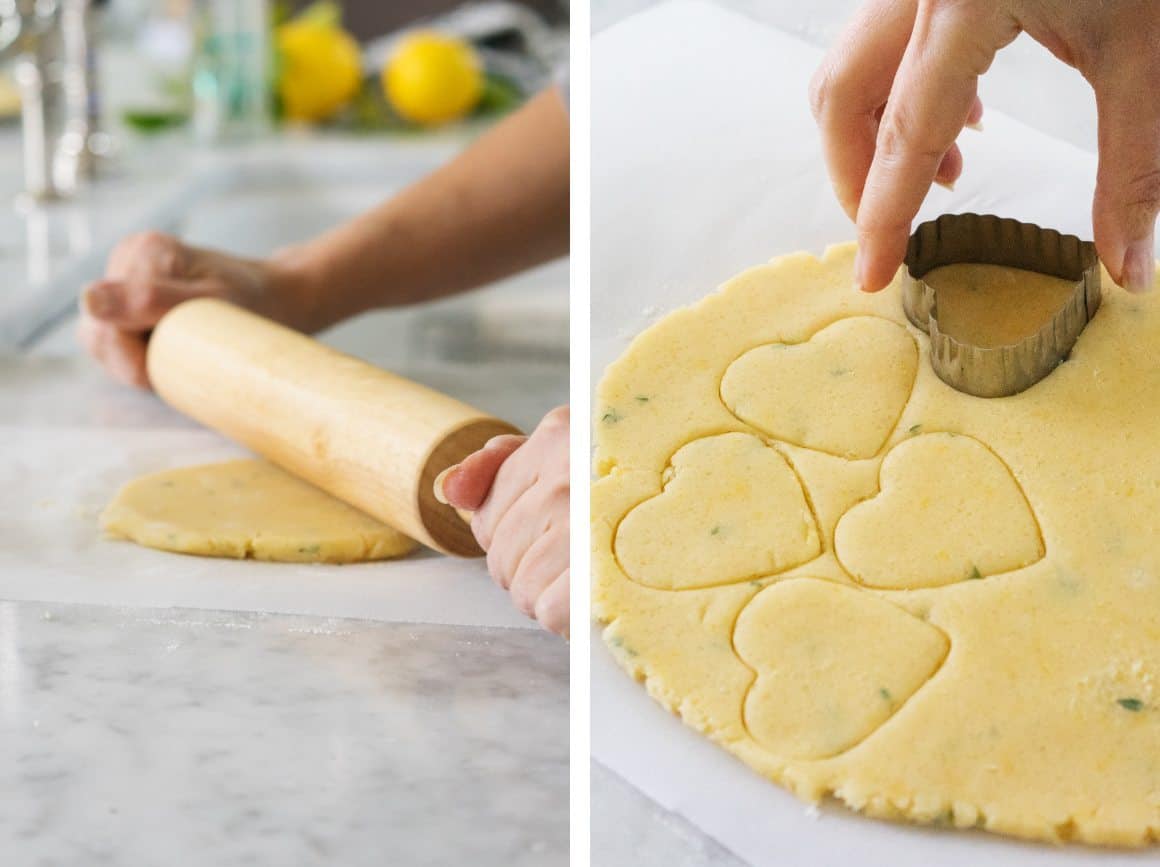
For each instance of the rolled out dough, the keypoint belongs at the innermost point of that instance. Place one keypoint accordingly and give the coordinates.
(865, 584)
(974, 301)
(247, 508)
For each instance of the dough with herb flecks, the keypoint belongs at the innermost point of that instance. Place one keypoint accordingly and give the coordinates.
(1002, 552)
(247, 508)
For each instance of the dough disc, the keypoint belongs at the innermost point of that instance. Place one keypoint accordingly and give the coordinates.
(961, 626)
(247, 508)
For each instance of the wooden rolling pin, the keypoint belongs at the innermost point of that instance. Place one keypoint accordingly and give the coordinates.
(366, 436)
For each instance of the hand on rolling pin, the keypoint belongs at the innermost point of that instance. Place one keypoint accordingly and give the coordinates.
(518, 489)
(900, 84)
(149, 274)
(499, 207)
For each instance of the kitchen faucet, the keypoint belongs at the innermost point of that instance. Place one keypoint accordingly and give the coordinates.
(51, 42)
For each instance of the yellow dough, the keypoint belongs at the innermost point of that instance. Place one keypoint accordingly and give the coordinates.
(952, 511)
(737, 492)
(247, 508)
(860, 368)
(974, 301)
(834, 665)
(934, 607)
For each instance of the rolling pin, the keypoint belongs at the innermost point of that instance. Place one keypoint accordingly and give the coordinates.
(372, 439)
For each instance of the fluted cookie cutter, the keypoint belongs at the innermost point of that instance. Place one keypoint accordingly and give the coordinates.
(999, 371)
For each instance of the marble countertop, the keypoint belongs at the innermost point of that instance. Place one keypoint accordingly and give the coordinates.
(142, 737)
(165, 709)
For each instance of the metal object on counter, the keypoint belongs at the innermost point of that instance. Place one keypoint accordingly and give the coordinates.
(999, 371)
(81, 142)
(51, 41)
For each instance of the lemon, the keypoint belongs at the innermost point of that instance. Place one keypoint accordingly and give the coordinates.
(432, 79)
(321, 69)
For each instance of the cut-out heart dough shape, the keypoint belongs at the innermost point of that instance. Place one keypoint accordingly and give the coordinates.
(833, 663)
(841, 392)
(949, 510)
(731, 509)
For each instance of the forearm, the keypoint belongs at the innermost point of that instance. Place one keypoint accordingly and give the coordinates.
(499, 207)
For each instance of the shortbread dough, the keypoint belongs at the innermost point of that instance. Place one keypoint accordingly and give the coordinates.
(932, 606)
(247, 508)
(974, 303)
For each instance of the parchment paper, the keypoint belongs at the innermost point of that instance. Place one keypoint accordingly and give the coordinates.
(705, 161)
(69, 439)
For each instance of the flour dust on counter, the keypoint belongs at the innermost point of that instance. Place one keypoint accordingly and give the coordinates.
(247, 509)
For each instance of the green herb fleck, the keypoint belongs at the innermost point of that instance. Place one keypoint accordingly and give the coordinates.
(716, 531)
(914, 428)
(839, 371)
(885, 693)
(618, 641)
(150, 121)
(610, 417)
(975, 574)
(642, 398)
(756, 582)
(309, 549)
(1132, 704)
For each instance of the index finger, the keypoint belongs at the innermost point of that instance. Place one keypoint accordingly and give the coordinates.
(932, 97)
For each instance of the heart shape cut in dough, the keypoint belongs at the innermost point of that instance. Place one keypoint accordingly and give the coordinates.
(948, 510)
(731, 509)
(842, 391)
(833, 663)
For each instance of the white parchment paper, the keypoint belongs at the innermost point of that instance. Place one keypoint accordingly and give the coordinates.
(69, 439)
(705, 161)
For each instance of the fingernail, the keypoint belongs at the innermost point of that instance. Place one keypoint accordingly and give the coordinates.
(440, 480)
(1139, 270)
(977, 126)
(946, 185)
(100, 302)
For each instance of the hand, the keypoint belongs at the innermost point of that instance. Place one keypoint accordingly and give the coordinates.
(518, 488)
(150, 273)
(894, 93)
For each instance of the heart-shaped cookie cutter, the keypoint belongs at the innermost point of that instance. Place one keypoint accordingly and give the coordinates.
(999, 371)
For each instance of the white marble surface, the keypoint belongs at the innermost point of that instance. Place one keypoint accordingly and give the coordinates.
(164, 709)
(141, 737)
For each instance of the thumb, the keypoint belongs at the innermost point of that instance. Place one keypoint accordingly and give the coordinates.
(138, 306)
(467, 484)
(1128, 181)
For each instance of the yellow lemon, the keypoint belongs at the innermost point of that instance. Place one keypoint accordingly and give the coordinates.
(321, 69)
(432, 79)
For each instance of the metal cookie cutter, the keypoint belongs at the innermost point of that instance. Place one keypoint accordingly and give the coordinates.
(983, 238)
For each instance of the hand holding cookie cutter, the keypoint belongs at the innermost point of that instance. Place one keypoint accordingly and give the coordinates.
(999, 371)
